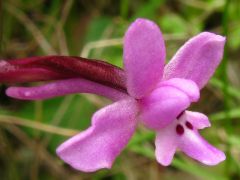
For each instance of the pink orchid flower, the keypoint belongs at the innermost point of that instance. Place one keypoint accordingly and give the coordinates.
(156, 95)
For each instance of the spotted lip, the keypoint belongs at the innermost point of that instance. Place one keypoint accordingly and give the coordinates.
(44, 68)
(180, 128)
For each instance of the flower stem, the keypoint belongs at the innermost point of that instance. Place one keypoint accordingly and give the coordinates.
(37, 126)
(229, 127)
(225, 64)
(1, 27)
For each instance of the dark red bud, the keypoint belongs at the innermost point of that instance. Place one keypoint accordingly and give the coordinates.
(45, 68)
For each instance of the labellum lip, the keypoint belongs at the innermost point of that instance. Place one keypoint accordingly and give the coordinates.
(45, 68)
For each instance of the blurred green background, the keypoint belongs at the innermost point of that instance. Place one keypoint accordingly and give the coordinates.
(30, 131)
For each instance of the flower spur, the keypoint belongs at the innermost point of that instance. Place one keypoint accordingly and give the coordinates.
(154, 94)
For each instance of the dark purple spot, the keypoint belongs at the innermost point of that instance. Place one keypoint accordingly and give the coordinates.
(189, 125)
(179, 129)
(178, 117)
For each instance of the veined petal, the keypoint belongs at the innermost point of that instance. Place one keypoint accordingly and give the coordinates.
(144, 56)
(187, 86)
(166, 144)
(162, 106)
(197, 148)
(99, 145)
(197, 119)
(64, 87)
(197, 59)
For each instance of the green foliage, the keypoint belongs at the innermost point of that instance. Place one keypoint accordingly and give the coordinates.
(172, 23)
(69, 27)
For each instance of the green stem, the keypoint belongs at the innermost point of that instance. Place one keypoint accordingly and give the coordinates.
(124, 8)
(38, 105)
(225, 62)
(1, 27)
(229, 127)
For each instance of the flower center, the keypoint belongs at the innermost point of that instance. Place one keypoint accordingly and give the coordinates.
(180, 128)
(178, 117)
(189, 125)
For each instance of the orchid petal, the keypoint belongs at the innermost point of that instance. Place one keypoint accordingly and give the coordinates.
(98, 146)
(166, 144)
(162, 106)
(144, 56)
(187, 86)
(198, 120)
(197, 59)
(197, 148)
(64, 87)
